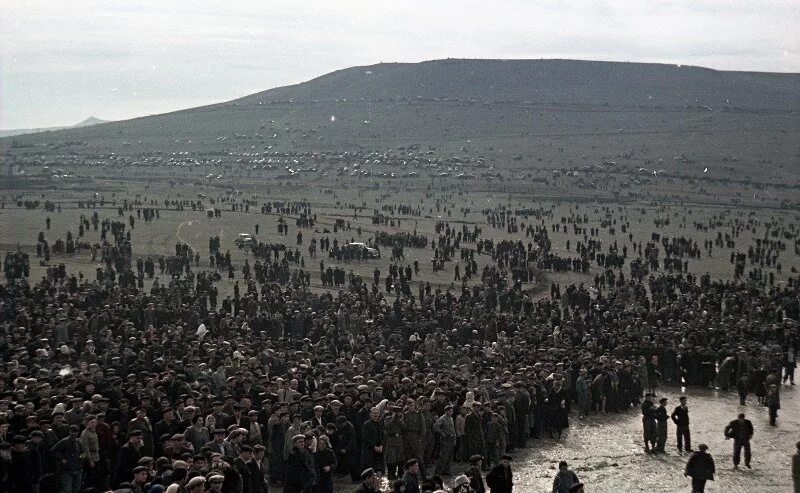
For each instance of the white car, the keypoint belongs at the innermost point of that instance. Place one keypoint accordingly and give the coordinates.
(361, 248)
(244, 239)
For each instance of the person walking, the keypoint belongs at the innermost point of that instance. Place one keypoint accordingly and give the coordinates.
(700, 467)
(741, 430)
(773, 400)
(474, 473)
(680, 416)
(564, 479)
(500, 479)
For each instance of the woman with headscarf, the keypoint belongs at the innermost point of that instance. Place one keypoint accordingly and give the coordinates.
(325, 461)
(196, 433)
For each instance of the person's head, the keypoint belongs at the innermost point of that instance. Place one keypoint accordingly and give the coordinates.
(136, 438)
(215, 483)
(375, 414)
(505, 460)
(199, 462)
(412, 466)
(246, 453)
(703, 447)
(797, 445)
(476, 461)
(18, 443)
(74, 430)
(662, 401)
(323, 443)
(258, 453)
(369, 477)
(741, 417)
(399, 486)
(562, 466)
(219, 435)
(683, 400)
(140, 474)
(196, 485)
(299, 441)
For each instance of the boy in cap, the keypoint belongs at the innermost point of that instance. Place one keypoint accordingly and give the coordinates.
(369, 482)
(411, 476)
(474, 474)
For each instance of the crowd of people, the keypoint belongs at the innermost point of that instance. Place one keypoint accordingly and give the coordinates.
(108, 386)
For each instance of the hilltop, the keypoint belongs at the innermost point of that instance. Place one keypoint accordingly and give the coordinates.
(22, 131)
(515, 115)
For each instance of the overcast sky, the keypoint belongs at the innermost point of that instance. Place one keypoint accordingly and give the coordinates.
(62, 61)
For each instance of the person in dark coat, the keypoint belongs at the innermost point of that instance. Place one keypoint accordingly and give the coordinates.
(25, 466)
(741, 430)
(325, 462)
(662, 419)
(256, 480)
(369, 482)
(648, 423)
(68, 452)
(564, 479)
(474, 474)
(372, 440)
(347, 445)
(773, 400)
(411, 476)
(700, 468)
(300, 471)
(680, 416)
(500, 479)
(128, 457)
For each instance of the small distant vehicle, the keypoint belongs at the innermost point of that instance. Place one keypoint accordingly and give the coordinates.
(244, 240)
(359, 250)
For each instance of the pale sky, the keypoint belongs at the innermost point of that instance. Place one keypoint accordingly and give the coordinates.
(64, 60)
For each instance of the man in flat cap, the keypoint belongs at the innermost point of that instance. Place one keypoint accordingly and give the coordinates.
(300, 470)
(500, 479)
(474, 474)
(196, 485)
(128, 457)
(369, 482)
(68, 452)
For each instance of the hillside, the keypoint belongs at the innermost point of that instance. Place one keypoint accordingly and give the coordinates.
(515, 115)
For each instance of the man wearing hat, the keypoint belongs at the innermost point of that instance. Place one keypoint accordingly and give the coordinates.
(27, 469)
(373, 438)
(128, 457)
(215, 483)
(196, 485)
(411, 476)
(68, 452)
(662, 418)
(394, 451)
(446, 432)
(700, 468)
(500, 479)
(139, 478)
(369, 482)
(301, 473)
(474, 474)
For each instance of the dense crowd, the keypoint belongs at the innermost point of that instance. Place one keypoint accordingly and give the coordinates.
(106, 385)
